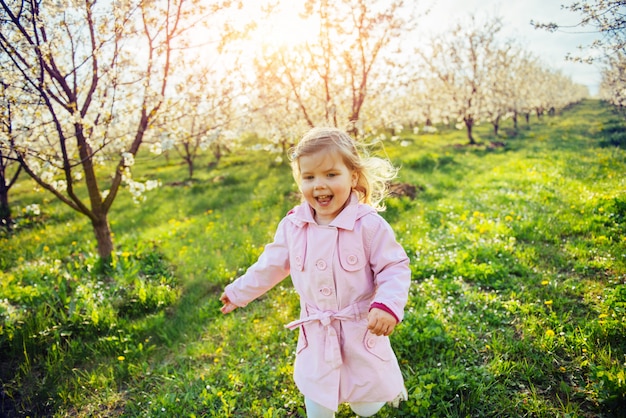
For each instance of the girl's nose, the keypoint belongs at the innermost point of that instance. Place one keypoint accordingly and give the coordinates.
(319, 184)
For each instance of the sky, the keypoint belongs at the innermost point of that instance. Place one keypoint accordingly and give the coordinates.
(516, 15)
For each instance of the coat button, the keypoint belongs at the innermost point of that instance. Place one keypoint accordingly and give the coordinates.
(352, 259)
(371, 343)
(298, 261)
(320, 264)
(326, 291)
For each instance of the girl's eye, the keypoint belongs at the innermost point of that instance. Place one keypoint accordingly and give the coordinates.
(331, 174)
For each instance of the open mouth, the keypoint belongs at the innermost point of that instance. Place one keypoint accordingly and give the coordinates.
(324, 200)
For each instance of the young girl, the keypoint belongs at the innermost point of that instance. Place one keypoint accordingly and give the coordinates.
(352, 277)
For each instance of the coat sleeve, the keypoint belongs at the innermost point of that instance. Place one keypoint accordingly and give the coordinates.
(271, 267)
(390, 266)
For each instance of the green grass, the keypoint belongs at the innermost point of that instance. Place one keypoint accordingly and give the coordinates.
(517, 308)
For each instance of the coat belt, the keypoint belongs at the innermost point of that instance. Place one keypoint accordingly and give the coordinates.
(332, 348)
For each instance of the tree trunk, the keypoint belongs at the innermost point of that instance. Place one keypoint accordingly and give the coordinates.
(5, 209)
(103, 237)
(5, 186)
(189, 161)
(496, 126)
(539, 111)
(217, 153)
(515, 121)
(469, 125)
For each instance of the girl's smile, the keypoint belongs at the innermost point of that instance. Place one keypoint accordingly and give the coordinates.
(324, 200)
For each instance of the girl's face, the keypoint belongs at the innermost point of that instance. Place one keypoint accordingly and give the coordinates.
(326, 183)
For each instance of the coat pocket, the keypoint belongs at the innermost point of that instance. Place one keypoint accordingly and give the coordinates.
(297, 251)
(297, 258)
(352, 259)
(379, 346)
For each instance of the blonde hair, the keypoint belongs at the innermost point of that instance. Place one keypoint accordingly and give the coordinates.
(374, 173)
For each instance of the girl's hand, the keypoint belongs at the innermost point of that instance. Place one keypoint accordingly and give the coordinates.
(380, 322)
(228, 306)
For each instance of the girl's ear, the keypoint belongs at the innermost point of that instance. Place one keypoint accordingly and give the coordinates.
(355, 178)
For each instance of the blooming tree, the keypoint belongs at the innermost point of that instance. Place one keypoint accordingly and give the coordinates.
(608, 19)
(98, 73)
(208, 117)
(499, 87)
(464, 61)
(613, 85)
(522, 85)
(281, 132)
(477, 76)
(328, 80)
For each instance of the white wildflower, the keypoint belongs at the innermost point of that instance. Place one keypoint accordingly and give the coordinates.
(33, 210)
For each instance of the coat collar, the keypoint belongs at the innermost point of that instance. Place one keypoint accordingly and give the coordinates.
(303, 214)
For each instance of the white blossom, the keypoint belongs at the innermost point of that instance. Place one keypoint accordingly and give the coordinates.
(156, 148)
(129, 159)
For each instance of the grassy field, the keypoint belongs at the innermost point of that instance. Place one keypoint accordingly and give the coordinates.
(518, 303)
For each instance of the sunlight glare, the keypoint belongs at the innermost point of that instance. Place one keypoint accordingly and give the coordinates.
(278, 25)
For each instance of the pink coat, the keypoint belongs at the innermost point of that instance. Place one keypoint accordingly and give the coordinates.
(338, 270)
